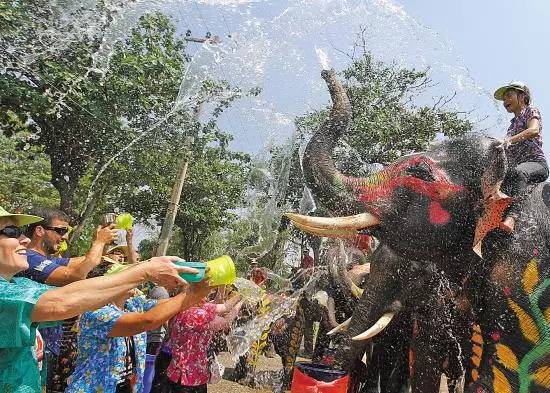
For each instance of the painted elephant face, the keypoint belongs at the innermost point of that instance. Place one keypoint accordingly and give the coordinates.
(424, 204)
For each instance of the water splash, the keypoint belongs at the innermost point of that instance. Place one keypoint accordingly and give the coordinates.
(240, 339)
(323, 58)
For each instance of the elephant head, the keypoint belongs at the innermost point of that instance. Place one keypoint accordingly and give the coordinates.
(435, 208)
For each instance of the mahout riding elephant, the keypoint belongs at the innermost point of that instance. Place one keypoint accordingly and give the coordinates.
(442, 208)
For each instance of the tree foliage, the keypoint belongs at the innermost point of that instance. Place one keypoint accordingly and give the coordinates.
(386, 123)
(24, 176)
(81, 117)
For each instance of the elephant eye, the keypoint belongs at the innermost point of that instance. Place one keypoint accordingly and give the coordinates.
(420, 171)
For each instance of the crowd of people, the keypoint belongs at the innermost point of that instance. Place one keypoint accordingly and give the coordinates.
(46, 298)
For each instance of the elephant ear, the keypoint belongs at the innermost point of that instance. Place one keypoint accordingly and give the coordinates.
(495, 202)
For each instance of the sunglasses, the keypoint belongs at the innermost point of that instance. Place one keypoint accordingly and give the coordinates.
(61, 231)
(12, 231)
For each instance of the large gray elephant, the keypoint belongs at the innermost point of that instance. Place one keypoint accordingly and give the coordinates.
(431, 209)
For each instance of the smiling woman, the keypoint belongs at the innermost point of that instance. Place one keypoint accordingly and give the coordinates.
(25, 303)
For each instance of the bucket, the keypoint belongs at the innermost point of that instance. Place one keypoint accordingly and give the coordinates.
(314, 377)
(149, 373)
(189, 277)
(221, 271)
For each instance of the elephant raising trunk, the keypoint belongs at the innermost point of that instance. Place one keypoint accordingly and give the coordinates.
(325, 181)
(332, 189)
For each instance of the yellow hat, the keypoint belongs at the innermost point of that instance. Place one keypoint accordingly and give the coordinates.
(124, 250)
(20, 219)
(514, 85)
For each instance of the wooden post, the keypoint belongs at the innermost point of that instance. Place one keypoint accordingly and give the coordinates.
(172, 211)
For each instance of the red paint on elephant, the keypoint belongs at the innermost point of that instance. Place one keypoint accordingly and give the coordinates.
(382, 185)
(437, 214)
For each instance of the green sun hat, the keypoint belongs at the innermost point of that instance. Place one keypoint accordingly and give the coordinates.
(20, 219)
(515, 85)
(122, 248)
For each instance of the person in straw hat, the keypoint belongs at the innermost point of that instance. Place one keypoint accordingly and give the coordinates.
(523, 143)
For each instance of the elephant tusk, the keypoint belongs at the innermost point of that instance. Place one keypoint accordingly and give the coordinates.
(358, 221)
(376, 328)
(357, 292)
(338, 233)
(340, 328)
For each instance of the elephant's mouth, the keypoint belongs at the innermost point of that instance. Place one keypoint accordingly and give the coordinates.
(341, 227)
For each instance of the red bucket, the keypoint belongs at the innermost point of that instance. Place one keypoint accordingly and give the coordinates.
(318, 378)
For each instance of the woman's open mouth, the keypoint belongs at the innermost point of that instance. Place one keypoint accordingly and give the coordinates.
(21, 251)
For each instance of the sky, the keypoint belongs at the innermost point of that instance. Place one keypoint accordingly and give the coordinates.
(471, 48)
(499, 41)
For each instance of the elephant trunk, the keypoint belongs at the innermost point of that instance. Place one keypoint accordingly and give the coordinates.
(338, 259)
(322, 177)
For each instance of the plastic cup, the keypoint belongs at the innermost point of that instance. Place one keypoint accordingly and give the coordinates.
(124, 221)
(221, 271)
(189, 277)
(62, 247)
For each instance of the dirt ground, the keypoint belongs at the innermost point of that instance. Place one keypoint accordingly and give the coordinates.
(225, 386)
(266, 365)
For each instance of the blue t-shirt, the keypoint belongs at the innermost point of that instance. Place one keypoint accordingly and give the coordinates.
(41, 266)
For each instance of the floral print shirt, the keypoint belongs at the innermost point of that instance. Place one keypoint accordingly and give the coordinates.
(528, 150)
(101, 359)
(190, 338)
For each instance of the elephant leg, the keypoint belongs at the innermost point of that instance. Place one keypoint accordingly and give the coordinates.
(308, 337)
(427, 357)
(242, 368)
(396, 381)
(290, 350)
(321, 343)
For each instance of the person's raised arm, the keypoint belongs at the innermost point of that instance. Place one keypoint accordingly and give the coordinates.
(133, 256)
(79, 267)
(228, 305)
(220, 295)
(91, 294)
(223, 323)
(133, 323)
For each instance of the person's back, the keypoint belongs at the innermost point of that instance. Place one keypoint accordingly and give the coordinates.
(103, 361)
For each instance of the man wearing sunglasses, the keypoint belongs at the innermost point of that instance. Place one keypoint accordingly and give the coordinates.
(46, 238)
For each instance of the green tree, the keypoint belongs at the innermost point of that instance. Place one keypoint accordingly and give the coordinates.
(24, 176)
(386, 124)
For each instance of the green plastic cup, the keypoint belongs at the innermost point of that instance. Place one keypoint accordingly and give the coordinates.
(189, 277)
(62, 247)
(124, 221)
(221, 271)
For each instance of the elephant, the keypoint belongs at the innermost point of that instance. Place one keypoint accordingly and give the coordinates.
(440, 210)
(329, 298)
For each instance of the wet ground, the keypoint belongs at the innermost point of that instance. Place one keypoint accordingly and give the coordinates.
(266, 366)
